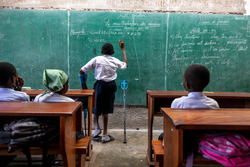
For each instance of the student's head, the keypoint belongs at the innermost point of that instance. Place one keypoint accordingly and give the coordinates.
(8, 74)
(56, 80)
(196, 78)
(108, 49)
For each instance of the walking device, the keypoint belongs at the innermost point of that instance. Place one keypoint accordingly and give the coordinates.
(124, 85)
(83, 79)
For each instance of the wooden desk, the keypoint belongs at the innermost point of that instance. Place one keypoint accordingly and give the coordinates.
(70, 115)
(176, 121)
(75, 93)
(158, 99)
(70, 93)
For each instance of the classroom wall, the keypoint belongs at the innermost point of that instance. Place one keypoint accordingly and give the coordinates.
(247, 7)
(135, 114)
(194, 6)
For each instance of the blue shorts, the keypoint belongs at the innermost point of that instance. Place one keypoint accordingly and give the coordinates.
(104, 97)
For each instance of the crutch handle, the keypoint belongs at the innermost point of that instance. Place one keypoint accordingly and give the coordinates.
(124, 85)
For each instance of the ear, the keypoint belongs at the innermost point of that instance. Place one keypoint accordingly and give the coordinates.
(186, 85)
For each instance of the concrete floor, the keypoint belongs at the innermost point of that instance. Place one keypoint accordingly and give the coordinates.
(116, 153)
(113, 154)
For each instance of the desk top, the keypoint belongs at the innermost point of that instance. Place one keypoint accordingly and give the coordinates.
(38, 109)
(175, 94)
(70, 92)
(223, 118)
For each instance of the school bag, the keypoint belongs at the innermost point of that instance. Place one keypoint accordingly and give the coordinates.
(21, 134)
(230, 150)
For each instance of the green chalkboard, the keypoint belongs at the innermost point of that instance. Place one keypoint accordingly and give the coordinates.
(159, 47)
(219, 42)
(33, 41)
(144, 37)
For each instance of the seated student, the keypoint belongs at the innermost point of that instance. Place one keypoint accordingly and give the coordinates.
(10, 84)
(10, 90)
(57, 83)
(196, 77)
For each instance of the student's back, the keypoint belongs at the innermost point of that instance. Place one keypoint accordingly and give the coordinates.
(196, 77)
(7, 94)
(8, 80)
(56, 82)
(52, 97)
(194, 100)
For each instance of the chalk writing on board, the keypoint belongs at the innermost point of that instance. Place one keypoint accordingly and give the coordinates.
(77, 33)
(248, 29)
(240, 17)
(214, 23)
(119, 27)
(206, 41)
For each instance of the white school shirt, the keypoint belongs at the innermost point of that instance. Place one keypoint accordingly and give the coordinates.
(8, 94)
(52, 97)
(105, 67)
(194, 100)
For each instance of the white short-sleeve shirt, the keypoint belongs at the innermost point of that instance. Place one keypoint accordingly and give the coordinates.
(7, 94)
(194, 100)
(105, 67)
(52, 97)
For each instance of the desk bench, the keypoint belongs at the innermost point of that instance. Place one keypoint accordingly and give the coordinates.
(75, 93)
(158, 150)
(158, 153)
(68, 114)
(178, 121)
(157, 99)
(82, 150)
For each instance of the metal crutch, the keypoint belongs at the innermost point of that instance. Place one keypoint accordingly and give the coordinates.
(124, 86)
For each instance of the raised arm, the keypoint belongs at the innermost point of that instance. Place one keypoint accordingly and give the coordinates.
(122, 46)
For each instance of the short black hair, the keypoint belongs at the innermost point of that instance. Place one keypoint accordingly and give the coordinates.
(197, 76)
(7, 71)
(108, 48)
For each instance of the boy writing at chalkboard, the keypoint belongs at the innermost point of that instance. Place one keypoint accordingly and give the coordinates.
(196, 77)
(11, 84)
(105, 87)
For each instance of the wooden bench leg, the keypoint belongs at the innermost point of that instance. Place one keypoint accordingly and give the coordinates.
(82, 150)
(81, 160)
(157, 164)
(89, 152)
(158, 153)
(158, 160)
